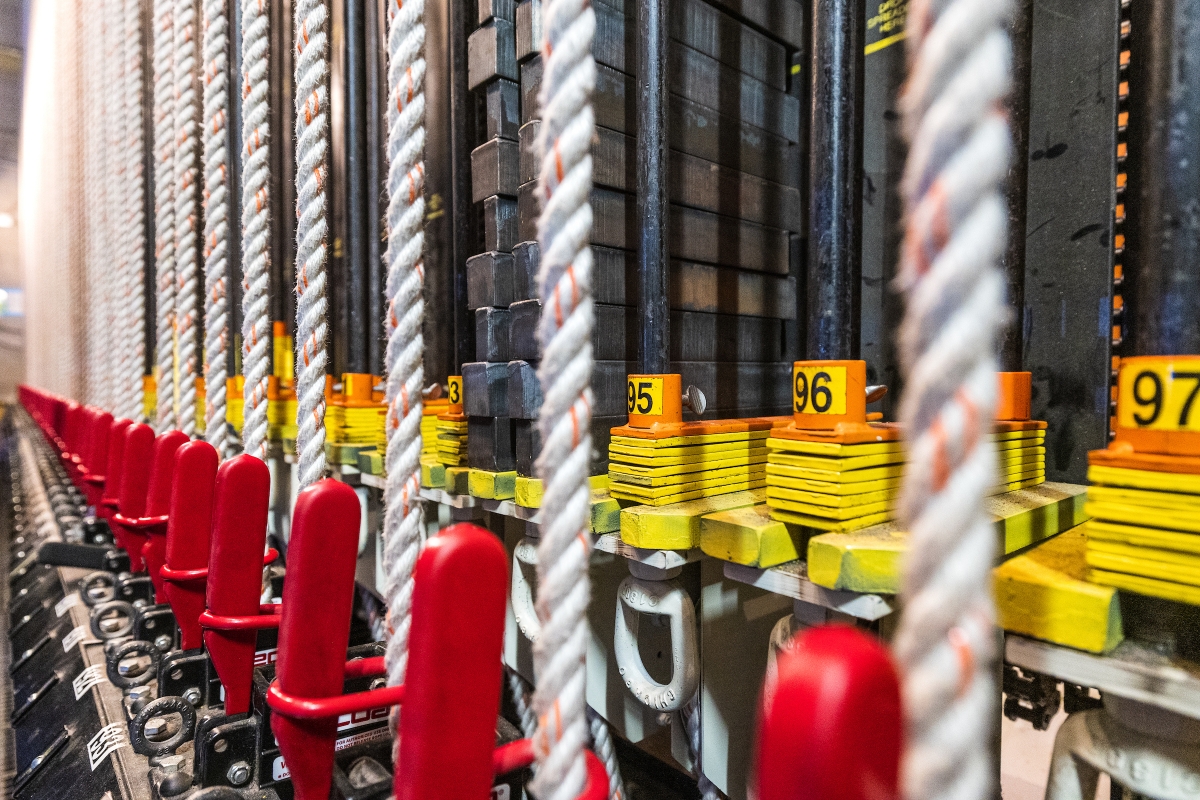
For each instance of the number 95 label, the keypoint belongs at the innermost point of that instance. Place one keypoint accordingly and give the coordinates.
(1162, 395)
(645, 396)
(819, 390)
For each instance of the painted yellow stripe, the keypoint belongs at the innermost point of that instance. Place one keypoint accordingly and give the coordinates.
(875, 47)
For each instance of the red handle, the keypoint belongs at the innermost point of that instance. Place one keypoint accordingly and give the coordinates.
(830, 725)
(97, 460)
(448, 728)
(112, 467)
(158, 502)
(314, 631)
(189, 528)
(243, 493)
(135, 477)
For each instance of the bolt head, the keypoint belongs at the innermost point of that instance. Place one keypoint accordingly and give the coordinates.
(156, 726)
(239, 773)
(171, 764)
(139, 692)
(192, 695)
(163, 643)
(140, 603)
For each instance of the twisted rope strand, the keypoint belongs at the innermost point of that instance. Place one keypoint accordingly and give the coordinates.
(312, 134)
(256, 231)
(404, 517)
(187, 212)
(135, 148)
(565, 329)
(93, 204)
(216, 220)
(115, 262)
(164, 210)
(959, 72)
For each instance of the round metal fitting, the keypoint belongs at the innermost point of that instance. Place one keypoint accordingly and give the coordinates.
(135, 663)
(145, 743)
(239, 773)
(112, 620)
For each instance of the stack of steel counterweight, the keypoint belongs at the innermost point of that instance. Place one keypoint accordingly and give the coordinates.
(734, 173)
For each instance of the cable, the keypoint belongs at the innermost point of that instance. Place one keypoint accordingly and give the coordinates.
(216, 220)
(256, 229)
(565, 332)
(312, 142)
(959, 73)
(404, 518)
(187, 212)
(135, 192)
(164, 210)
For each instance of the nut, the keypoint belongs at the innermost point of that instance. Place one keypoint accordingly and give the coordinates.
(163, 643)
(156, 726)
(171, 764)
(192, 695)
(239, 773)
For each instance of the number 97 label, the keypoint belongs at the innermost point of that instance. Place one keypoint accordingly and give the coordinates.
(1159, 395)
(819, 390)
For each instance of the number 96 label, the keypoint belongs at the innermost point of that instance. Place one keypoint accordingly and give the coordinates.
(645, 396)
(1161, 395)
(819, 390)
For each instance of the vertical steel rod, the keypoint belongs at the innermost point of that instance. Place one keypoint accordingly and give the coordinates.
(1162, 260)
(653, 256)
(835, 181)
(357, 187)
(462, 126)
(1012, 346)
(375, 53)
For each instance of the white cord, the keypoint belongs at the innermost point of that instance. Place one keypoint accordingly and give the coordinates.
(312, 142)
(565, 333)
(606, 751)
(404, 520)
(216, 220)
(187, 211)
(164, 209)
(691, 720)
(959, 74)
(135, 192)
(256, 229)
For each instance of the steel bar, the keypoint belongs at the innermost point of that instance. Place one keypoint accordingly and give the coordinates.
(462, 125)
(358, 286)
(374, 50)
(1012, 346)
(835, 175)
(441, 359)
(652, 204)
(1162, 259)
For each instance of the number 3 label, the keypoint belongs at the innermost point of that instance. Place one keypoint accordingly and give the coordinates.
(1160, 396)
(645, 396)
(454, 393)
(819, 390)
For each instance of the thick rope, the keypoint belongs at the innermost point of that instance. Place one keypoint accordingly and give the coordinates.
(216, 220)
(113, 262)
(404, 519)
(691, 721)
(187, 212)
(164, 209)
(93, 204)
(565, 333)
(256, 229)
(606, 751)
(959, 74)
(135, 188)
(312, 142)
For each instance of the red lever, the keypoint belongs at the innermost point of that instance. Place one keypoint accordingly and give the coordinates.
(97, 461)
(189, 528)
(239, 534)
(315, 629)
(135, 479)
(112, 468)
(448, 728)
(153, 523)
(830, 725)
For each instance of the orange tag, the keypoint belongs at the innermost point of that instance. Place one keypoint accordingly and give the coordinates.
(454, 394)
(654, 400)
(826, 393)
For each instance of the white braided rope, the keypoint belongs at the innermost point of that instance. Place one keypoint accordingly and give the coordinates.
(312, 142)
(135, 190)
(606, 751)
(256, 230)
(93, 204)
(216, 220)
(565, 373)
(691, 720)
(164, 209)
(113, 263)
(187, 212)
(523, 704)
(404, 519)
(959, 73)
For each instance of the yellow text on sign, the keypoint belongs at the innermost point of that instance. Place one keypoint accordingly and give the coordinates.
(645, 396)
(819, 390)
(454, 389)
(1163, 396)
